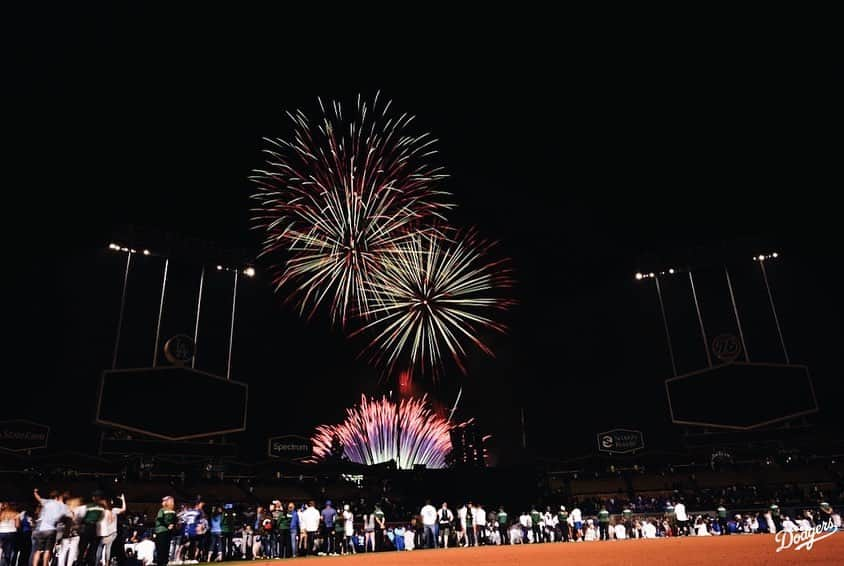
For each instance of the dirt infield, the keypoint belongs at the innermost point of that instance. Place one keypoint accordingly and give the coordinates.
(741, 550)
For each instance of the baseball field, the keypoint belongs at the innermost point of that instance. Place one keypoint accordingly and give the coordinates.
(741, 550)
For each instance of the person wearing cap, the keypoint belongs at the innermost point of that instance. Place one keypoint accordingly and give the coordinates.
(165, 522)
(349, 530)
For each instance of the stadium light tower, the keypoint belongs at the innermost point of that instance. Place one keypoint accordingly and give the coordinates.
(762, 258)
(248, 271)
(129, 253)
(655, 276)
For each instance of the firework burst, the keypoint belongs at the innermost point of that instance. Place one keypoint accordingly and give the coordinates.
(338, 195)
(379, 430)
(432, 297)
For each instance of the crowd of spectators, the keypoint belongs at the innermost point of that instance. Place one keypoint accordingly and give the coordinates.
(66, 531)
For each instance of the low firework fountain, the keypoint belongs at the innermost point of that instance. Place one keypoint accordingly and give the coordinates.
(379, 430)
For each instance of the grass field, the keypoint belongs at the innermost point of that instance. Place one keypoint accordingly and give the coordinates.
(739, 550)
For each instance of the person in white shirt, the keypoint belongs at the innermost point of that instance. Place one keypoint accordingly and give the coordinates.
(349, 529)
(788, 525)
(527, 525)
(701, 529)
(9, 524)
(144, 551)
(591, 532)
(107, 531)
(44, 536)
(462, 537)
(648, 529)
(445, 519)
(682, 518)
(550, 523)
(577, 524)
(516, 534)
(479, 519)
(620, 531)
(310, 525)
(409, 539)
(429, 524)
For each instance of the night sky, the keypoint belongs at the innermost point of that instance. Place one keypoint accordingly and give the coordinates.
(588, 162)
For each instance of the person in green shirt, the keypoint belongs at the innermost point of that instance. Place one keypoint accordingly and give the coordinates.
(604, 523)
(627, 521)
(282, 524)
(88, 539)
(536, 528)
(165, 522)
(722, 519)
(563, 523)
(501, 518)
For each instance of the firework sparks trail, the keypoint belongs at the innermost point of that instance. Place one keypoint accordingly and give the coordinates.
(432, 297)
(340, 194)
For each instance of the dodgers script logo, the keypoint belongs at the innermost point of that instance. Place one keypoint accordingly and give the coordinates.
(805, 539)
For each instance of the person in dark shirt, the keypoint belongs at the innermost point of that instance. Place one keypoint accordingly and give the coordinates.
(131, 559)
(563, 523)
(604, 523)
(328, 516)
(536, 529)
(227, 530)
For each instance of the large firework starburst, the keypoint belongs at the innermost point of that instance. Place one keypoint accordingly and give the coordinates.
(338, 195)
(432, 297)
(379, 430)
